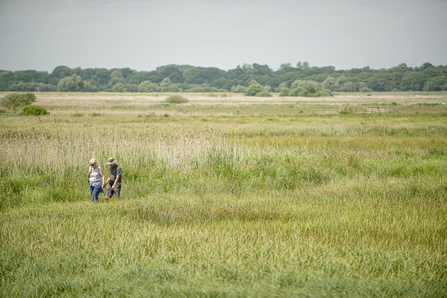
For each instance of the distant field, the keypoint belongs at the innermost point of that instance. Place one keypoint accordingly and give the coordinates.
(227, 196)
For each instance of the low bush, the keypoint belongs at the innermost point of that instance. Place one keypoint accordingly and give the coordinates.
(95, 114)
(176, 99)
(252, 90)
(15, 101)
(33, 111)
(326, 92)
(77, 115)
(305, 91)
(346, 111)
(263, 93)
(284, 92)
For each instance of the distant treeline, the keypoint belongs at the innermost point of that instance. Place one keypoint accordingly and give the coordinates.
(187, 78)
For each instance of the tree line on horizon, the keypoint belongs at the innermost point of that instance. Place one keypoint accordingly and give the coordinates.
(187, 78)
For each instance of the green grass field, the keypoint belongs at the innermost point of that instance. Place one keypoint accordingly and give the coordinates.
(227, 197)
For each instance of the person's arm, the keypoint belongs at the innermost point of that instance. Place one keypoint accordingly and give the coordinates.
(118, 174)
(89, 171)
(116, 180)
(102, 176)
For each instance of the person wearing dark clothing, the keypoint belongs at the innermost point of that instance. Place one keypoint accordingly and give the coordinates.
(114, 181)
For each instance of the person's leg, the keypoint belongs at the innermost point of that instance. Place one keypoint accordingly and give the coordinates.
(92, 193)
(96, 192)
(117, 192)
(108, 193)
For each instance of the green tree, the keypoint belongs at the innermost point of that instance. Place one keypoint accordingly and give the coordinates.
(102, 76)
(118, 87)
(438, 83)
(268, 88)
(116, 74)
(349, 87)
(413, 81)
(165, 83)
(71, 84)
(253, 82)
(238, 89)
(306, 65)
(88, 87)
(58, 73)
(281, 86)
(148, 86)
(284, 67)
(176, 77)
(329, 83)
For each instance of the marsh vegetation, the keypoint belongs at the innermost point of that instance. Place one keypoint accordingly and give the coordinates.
(227, 196)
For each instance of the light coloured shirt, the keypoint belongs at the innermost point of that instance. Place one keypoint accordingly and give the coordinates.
(95, 177)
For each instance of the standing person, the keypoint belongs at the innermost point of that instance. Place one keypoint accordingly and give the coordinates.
(95, 175)
(114, 180)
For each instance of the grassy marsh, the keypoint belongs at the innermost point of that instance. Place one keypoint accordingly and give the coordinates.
(227, 197)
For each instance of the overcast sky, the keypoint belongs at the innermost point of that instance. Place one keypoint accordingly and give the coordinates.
(42, 34)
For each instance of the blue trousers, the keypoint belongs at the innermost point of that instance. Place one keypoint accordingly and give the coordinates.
(95, 191)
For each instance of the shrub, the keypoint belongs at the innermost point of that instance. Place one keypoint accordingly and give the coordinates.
(308, 91)
(284, 91)
(33, 111)
(299, 91)
(95, 114)
(263, 93)
(77, 115)
(346, 111)
(176, 99)
(252, 90)
(326, 92)
(15, 101)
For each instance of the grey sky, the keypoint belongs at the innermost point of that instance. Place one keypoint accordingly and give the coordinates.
(142, 35)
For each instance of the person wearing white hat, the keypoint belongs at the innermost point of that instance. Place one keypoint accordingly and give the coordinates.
(95, 175)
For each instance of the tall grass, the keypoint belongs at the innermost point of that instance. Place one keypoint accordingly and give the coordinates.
(230, 211)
